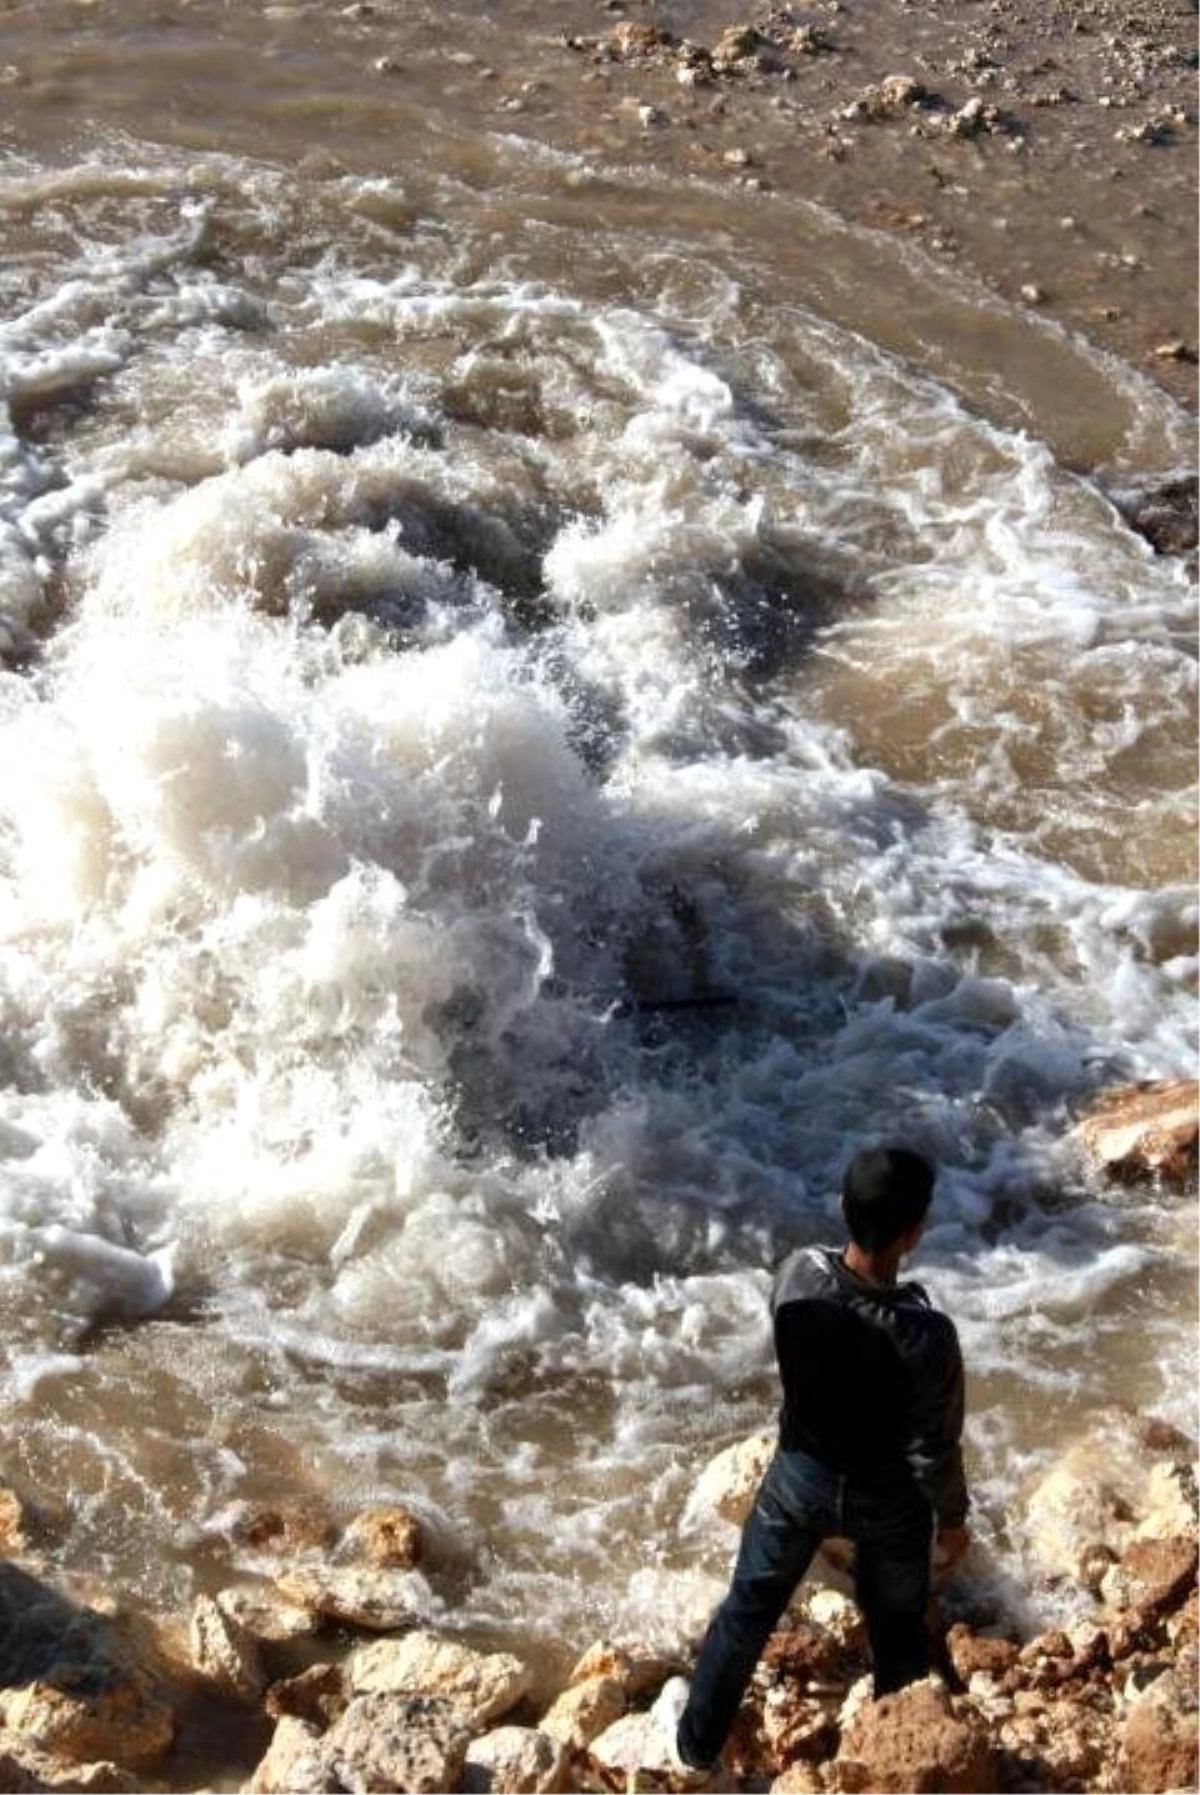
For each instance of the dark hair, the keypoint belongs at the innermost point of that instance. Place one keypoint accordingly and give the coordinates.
(886, 1191)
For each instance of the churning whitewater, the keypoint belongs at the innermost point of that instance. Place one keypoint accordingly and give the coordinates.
(508, 779)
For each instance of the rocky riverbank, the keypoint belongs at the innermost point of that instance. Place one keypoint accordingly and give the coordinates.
(320, 1681)
(321, 1673)
(1046, 150)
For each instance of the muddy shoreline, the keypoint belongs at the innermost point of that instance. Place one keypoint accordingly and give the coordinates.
(1046, 151)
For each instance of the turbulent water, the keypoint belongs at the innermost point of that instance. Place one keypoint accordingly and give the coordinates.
(525, 740)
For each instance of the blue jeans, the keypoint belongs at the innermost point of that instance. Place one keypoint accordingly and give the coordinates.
(799, 1504)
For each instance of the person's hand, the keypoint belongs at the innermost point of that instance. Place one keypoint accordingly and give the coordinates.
(949, 1546)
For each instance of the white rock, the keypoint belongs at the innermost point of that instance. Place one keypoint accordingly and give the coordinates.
(292, 1765)
(1169, 1502)
(836, 1613)
(414, 1743)
(636, 1667)
(514, 1760)
(729, 1483)
(379, 1600)
(1141, 1131)
(636, 1743)
(266, 1616)
(224, 1652)
(1093, 1496)
(483, 1685)
(583, 1711)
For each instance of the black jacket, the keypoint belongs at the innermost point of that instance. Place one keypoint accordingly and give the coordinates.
(872, 1380)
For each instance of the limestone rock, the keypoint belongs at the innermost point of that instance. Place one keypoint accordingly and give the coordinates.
(632, 40)
(224, 1653)
(378, 1600)
(729, 1483)
(319, 1696)
(386, 1535)
(264, 1616)
(837, 1615)
(482, 1684)
(90, 1711)
(1153, 1574)
(915, 1741)
(639, 1670)
(799, 1778)
(808, 1657)
(583, 1711)
(14, 1525)
(902, 90)
(293, 1763)
(1168, 1508)
(24, 1768)
(737, 45)
(515, 1760)
(1058, 1744)
(631, 1747)
(1159, 1746)
(1078, 1506)
(972, 1654)
(389, 1742)
(282, 1528)
(797, 1726)
(1146, 1131)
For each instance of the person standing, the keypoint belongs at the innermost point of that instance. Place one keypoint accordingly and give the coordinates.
(869, 1449)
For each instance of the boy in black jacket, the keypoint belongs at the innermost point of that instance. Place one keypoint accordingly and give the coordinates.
(869, 1448)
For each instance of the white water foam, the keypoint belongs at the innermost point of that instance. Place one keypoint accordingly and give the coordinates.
(443, 669)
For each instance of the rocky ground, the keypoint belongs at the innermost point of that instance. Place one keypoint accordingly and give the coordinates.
(315, 1673)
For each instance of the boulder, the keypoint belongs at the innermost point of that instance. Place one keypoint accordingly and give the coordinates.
(1125, 1476)
(630, 1749)
(224, 1652)
(389, 1742)
(1152, 1574)
(639, 1670)
(1159, 1742)
(916, 1741)
(974, 1654)
(90, 1711)
(319, 1696)
(1165, 514)
(1064, 1744)
(729, 1483)
(810, 1656)
(799, 1778)
(265, 1616)
(1143, 1131)
(387, 1536)
(380, 1601)
(1168, 1504)
(583, 1711)
(283, 1529)
(483, 1685)
(515, 1760)
(24, 1768)
(293, 1764)
(796, 1725)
